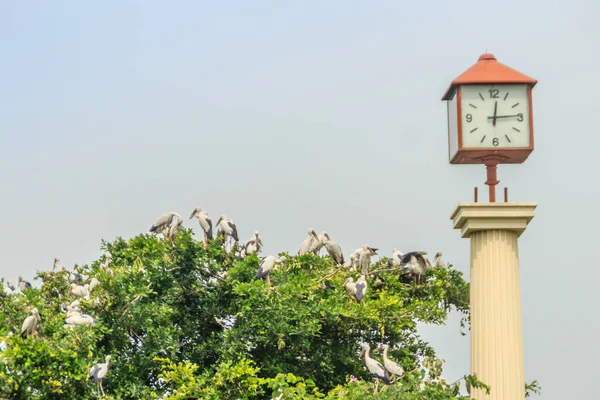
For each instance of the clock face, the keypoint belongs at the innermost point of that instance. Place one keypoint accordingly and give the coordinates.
(494, 116)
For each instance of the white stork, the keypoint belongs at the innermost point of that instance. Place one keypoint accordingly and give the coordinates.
(226, 227)
(267, 266)
(176, 227)
(416, 263)
(4, 344)
(350, 287)
(253, 245)
(396, 259)
(99, 371)
(23, 284)
(9, 289)
(205, 223)
(79, 291)
(306, 246)
(30, 323)
(317, 245)
(334, 250)
(364, 259)
(56, 268)
(375, 367)
(438, 261)
(76, 318)
(107, 259)
(392, 367)
(361, 288)
(163, 223)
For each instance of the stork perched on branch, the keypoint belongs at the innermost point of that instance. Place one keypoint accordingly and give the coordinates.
(226, 227)
(364, 258)
(30, 323)
(438, 261)
(392, 367)
(23, 284)
(267, 265)
(163, 224)
(99, 371)
(307, 245)
(252, 246)
(375, 368)
(396, 259)
(205, 223)
(334, 250)
(56, 268)
(415, 263)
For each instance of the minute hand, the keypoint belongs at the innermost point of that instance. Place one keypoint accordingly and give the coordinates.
(504, 116)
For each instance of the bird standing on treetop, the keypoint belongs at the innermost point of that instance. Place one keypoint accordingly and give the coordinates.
(267, 266)
(226, 226)
(396, 259)
(416, 263)
(252, 246)
(334, 250)
(364, 259)
(163, 224)
(306, 246)
(317, 245)
(438, 261)
(23, 284)
(57, 267)
(205, 223)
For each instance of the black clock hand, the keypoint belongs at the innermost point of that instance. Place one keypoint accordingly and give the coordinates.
(504, 116)
(495, 112)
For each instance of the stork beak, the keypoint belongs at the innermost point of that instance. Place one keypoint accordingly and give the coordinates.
(362, 352)
(374, 250)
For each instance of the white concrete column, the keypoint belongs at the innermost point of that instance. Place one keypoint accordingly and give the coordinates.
(495, 298)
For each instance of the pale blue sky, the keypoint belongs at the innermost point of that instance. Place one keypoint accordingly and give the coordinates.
(289, 115)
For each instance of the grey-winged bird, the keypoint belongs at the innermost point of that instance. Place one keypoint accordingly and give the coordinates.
(205, 223)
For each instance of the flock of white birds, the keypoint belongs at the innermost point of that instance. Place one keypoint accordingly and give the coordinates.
(412, 264)
(81, 287)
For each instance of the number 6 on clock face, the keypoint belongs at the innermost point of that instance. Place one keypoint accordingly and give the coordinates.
(495, 116)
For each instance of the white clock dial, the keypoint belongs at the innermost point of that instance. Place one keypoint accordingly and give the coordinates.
(494, 116)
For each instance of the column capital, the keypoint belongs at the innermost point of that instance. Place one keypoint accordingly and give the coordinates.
(474, 217)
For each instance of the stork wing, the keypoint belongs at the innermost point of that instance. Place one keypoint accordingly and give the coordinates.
(417, 254)
(360, 287)
(234, 231)
(94, 372)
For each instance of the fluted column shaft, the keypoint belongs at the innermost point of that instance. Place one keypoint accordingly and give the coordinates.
(496, 326)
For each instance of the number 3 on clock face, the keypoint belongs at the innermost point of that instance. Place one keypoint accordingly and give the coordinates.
(495, 116)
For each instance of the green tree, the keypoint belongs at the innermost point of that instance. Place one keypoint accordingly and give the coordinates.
(184, 322)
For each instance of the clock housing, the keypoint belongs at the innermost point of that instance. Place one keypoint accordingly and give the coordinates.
(490, 114)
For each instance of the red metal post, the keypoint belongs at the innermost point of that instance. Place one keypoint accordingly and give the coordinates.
(475, 194)
(506, 195)
(492, 180)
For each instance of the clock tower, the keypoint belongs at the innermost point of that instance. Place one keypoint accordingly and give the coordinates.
(490, 117)
(490, 121)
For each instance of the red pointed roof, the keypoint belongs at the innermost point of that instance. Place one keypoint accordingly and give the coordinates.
(488, 70)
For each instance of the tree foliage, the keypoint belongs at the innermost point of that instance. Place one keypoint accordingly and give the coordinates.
(185, 322)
